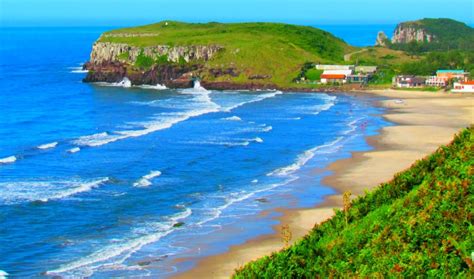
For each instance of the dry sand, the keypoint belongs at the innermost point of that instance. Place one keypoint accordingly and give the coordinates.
(425, 120)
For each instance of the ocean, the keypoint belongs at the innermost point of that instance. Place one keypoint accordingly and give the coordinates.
(107, 180)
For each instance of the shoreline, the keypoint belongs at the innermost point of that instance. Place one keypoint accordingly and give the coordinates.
(431, 119)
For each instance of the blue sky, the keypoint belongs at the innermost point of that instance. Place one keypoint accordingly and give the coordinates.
(125, 12)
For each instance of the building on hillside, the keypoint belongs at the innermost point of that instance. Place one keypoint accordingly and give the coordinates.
(447, 75)
(463, 87)
(334, 67)
(335, 76)
(366, 69)
(435, 81)
(409, 81)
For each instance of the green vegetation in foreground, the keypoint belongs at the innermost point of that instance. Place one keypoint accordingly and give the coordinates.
(449, 34)
(267, 49)
(418, 224)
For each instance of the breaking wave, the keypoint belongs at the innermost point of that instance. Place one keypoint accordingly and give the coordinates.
(304, 157)
(232, 118)
(145, 180)
(8, 160)
(74, 150)
(153, 87)
(258, 98)
(48, 145)
(117, 253)
(44, 191)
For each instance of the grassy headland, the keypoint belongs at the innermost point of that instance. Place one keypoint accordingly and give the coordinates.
(421, 222)
(271, 50)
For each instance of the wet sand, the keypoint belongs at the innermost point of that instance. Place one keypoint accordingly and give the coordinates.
(423, 122)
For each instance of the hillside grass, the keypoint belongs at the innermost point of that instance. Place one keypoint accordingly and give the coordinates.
(273, 49)
(418, 224)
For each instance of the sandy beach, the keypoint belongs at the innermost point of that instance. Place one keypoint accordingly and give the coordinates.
(423, 121)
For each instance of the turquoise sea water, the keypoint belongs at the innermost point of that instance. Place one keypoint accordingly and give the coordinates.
(101, 180)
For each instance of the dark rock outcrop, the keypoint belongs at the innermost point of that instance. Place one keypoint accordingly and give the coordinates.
(222, 72)
(171, 75)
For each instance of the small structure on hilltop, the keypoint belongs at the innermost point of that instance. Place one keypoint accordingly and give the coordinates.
(409, 81)
(463, 87)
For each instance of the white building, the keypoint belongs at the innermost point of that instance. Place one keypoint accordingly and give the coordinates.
(436, 81)
(366, 69)
(463, 87)
(334, 67)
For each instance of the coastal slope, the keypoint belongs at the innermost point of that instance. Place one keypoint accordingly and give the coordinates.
(239, 55)
(418, 223)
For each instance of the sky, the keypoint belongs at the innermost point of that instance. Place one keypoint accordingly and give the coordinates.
(133, 12)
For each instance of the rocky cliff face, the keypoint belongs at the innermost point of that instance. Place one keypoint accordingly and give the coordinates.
(111, 62)
(407, 33)
(110, 52)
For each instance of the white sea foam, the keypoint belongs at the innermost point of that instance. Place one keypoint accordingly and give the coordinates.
(80, 188)
(257, 139)
(125, 83)
(202, 105)
(95, 139)
(74, 150)
(352, 126)
(224, 142)
(233, 198)
(145, 180)
(48, 145)
(119, 251)
(8, 160)
(78, 70)
(258, 98)
(255, 181)
(232, 118)
(304, 157)
(20, 191)
(329, 102)
(153, 87)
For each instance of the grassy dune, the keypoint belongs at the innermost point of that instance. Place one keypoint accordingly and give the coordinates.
(418, 224)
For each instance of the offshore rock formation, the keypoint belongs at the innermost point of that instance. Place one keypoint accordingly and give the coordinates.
(105, 51)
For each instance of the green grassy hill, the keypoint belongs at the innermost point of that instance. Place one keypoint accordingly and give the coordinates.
(418, 224)
(265, 49)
